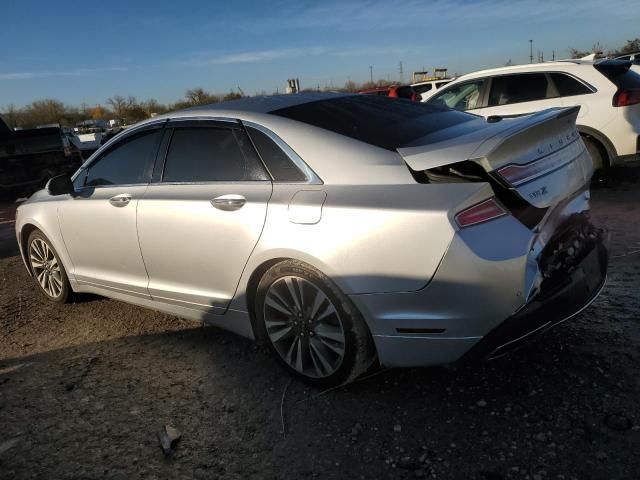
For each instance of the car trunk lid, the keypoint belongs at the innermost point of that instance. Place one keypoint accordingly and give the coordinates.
(540, 157)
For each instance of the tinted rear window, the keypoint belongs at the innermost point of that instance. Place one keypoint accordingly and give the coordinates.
(509, 89)
(384, 122)
(210, 155)
(423, 88)
(280, 166)
(568, 86)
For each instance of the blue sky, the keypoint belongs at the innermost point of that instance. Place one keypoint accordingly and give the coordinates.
(84, 52)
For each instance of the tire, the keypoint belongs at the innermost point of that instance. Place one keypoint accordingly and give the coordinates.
(47, 268)
(318, 336)
(598, 157)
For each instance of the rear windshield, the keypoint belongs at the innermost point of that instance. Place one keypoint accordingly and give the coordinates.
(381, 121)
(619, 73)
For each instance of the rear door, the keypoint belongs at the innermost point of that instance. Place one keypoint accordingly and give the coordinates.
(520, 94)
(201, 218)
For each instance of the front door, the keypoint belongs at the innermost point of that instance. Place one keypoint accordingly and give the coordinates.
(200, 222)
(98, 223)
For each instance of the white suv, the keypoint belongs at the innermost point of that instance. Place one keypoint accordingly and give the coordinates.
(608, 93)
(423, 88)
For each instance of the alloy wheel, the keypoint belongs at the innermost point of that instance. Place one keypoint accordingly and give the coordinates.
(46, 268)
(304, 327)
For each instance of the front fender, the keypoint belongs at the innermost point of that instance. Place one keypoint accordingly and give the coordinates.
(42, 216)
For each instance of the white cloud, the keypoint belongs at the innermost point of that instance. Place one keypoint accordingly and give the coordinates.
(81, 72)
(253, 56)
(354, 15)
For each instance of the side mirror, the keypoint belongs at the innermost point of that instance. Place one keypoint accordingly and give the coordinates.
(60, 185)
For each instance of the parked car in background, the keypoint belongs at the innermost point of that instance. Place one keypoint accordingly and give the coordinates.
(422, 88)
(631, 57)
(29, 157)
(305, 221)
(393, 91)
(607, 92)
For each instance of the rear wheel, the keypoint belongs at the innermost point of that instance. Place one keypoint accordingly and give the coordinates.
(598, 156)
(47, 268)
(312, 328)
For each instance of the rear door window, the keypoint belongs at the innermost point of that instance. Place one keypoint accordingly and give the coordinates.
(463, 96)
(128, 162)
(525, 87)
(423, 88)
(568, 86)
(210, 154)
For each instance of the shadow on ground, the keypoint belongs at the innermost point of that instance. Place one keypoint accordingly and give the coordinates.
(94, 410)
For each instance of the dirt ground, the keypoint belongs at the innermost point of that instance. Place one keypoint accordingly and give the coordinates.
(86, 387)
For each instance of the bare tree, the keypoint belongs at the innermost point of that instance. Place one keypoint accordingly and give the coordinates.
(11, 116)
(630, 47)
(119, 105)
(198, 96)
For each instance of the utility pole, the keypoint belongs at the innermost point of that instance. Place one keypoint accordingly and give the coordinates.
(553, 55)
(371, 72)
(530, 51)
(401, 74)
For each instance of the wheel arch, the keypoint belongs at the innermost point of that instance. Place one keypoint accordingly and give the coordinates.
(602, 142)
(25, 231)
(252, 288)
(29, 225)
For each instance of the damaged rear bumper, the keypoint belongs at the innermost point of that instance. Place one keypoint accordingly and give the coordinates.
(551, 307)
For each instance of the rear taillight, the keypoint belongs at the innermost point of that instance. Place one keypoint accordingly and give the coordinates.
(626, 96)
(480, 212)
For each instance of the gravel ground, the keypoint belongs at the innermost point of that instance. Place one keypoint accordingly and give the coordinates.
(85, 389)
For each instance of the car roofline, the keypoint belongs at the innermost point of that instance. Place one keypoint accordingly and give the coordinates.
(528, 66)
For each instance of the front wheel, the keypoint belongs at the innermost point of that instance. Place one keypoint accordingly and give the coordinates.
(47, 268)
(313, 329)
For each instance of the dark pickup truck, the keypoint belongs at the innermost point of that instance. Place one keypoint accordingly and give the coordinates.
(28, 158)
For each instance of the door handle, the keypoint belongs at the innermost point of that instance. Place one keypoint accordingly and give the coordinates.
(229, 203)
(121, 200)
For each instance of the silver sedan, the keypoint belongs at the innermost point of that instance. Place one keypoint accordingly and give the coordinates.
(340, 230)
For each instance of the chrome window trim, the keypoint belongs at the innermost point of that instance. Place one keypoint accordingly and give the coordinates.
(312, 177)
(215, 182)
(120, 185)
(151, 184)
(204, 118)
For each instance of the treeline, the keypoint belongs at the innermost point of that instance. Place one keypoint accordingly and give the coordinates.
(127, 110)
(130, 109)
(630, 47)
